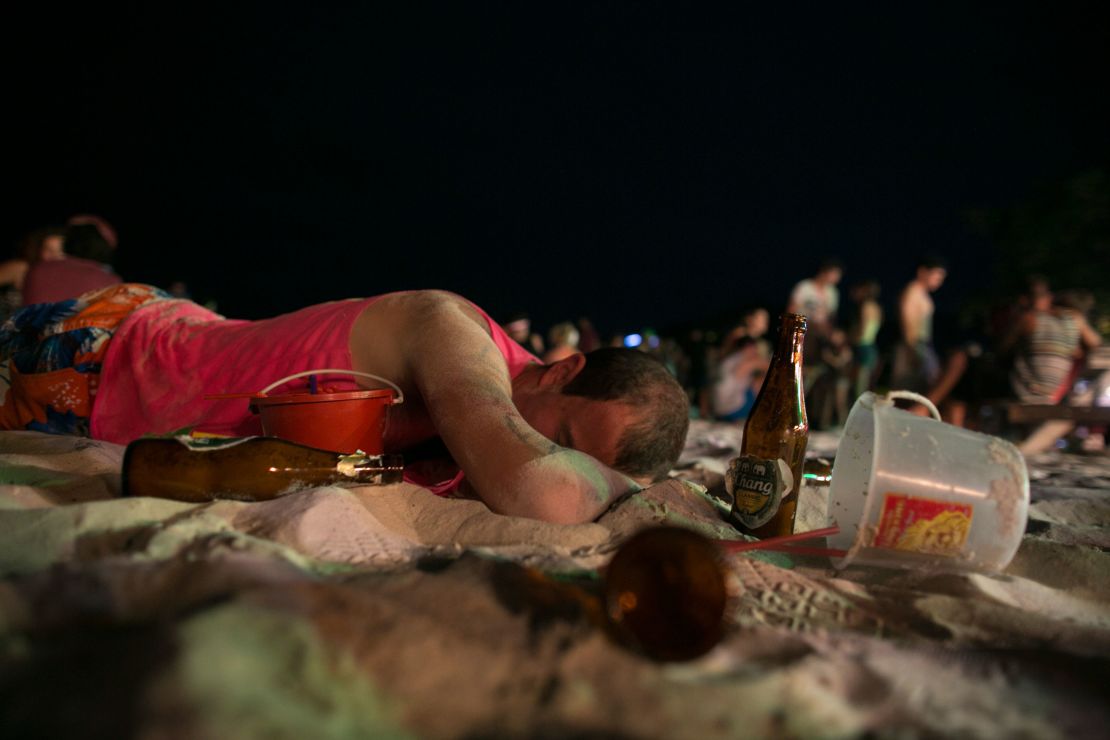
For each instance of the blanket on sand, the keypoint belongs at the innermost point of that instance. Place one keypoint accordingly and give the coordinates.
(390, 612)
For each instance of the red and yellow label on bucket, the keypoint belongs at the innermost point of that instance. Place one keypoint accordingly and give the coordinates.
(923, 525)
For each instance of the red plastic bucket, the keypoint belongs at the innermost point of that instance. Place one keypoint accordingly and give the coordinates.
(344, 422)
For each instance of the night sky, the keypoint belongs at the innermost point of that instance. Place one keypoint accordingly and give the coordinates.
(644, 164)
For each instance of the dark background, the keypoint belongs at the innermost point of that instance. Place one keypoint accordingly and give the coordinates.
(644, 164)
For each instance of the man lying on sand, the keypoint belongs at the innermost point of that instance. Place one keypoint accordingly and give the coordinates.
(556, 442)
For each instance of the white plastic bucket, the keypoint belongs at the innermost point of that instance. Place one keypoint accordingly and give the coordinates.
(910, 491)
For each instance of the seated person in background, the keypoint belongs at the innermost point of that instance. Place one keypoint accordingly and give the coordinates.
(557, 442)
(738, 379)
(562, 342)
(519, 327)
(1049, 342)
(39, 245)
(589, 338)
(754, 323)
(86, 266)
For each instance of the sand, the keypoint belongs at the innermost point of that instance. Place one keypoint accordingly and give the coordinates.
(389, 612)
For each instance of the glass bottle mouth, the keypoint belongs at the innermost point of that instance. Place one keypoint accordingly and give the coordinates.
(797, 320)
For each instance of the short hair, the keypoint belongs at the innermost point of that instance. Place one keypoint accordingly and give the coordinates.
(931, 261)
(85, 240)
(1036, 285)
(868, 289)
(652, 445)
(830, 263)
(747, 313)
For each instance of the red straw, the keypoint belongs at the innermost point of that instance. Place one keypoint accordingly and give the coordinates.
(829, 552)
(773, 543)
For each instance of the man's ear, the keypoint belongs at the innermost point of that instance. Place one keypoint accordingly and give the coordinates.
(560, 373)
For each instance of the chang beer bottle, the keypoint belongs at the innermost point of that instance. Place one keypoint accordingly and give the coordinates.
(764, 480)
(247, 468)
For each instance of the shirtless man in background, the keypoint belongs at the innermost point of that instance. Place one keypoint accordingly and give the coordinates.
(916, 366)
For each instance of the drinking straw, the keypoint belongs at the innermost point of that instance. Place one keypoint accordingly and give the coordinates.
(830, 552)
(773, 543)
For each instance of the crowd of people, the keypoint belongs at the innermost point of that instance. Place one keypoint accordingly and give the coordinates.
(1031, 350)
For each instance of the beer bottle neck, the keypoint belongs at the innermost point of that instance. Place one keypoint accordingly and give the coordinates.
(792, 334)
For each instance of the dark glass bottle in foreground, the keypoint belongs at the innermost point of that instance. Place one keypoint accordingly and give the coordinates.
(764, 480)
(665, 593)
(247, 469)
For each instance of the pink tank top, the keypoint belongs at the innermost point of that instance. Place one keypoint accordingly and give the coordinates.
(168, 355)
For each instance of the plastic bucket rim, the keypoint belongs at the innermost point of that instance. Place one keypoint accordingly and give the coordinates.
(282, 399)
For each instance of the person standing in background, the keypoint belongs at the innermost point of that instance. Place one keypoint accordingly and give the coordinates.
(818, 300)
(916, 365)
(864, 330)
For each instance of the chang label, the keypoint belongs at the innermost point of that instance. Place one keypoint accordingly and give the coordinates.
(757, 487)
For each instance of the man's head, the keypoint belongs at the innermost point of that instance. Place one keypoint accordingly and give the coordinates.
(866, 290)
(518, 326)
(756, 321)
(1040, 296)
(830, 272)
(619, 405)
(86, 241)
(931, 272)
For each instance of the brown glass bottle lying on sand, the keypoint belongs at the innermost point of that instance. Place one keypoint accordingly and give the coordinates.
(764, 480)
(665, 593)
(247, 468)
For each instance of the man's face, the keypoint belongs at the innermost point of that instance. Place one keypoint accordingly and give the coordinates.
(933, 277)
(832, 275)
(519, 330)
(53, 248)
(758, 323)
(583, 424)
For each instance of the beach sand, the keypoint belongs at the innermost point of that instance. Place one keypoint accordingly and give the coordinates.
(391, 612)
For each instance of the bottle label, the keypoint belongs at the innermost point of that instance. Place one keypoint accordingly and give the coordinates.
(757, 487)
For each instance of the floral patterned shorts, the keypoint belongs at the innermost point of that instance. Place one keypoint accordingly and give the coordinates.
(51, 355)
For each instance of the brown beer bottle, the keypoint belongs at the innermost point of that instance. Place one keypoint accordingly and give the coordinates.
(246, 468)
(764, 480)
(665, 593)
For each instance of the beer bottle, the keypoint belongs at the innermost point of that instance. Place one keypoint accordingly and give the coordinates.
(246, 468)
(665, 593)
(764, 480)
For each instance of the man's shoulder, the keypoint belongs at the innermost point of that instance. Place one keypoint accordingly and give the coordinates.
(804, 286)
(912, 289)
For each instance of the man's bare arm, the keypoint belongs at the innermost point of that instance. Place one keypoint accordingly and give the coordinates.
(1087, 335)
(445, 351)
